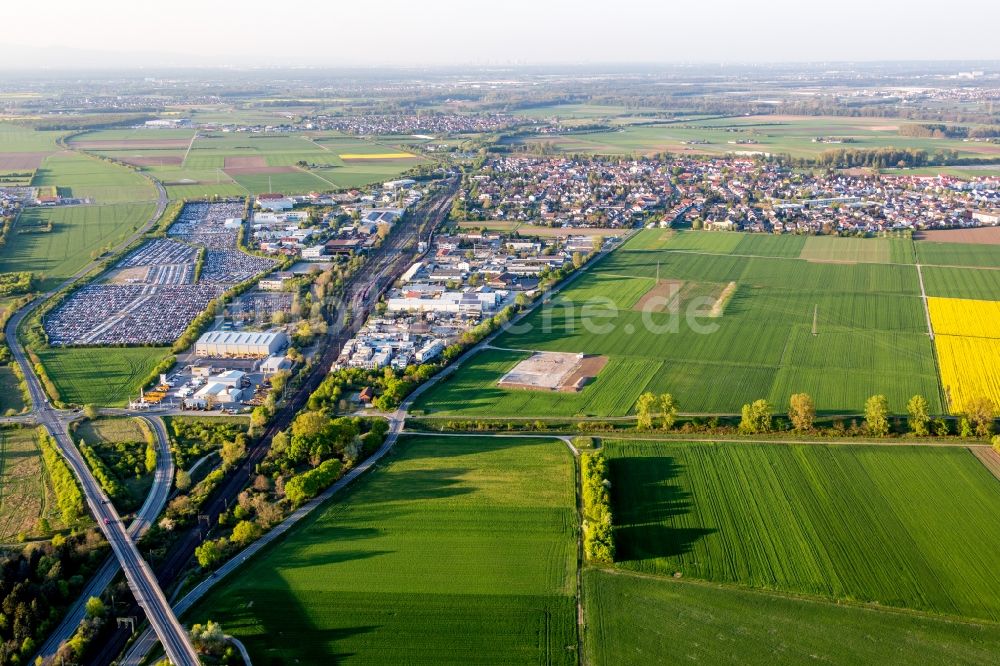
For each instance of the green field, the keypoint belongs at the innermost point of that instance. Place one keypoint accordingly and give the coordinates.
(77, 233)
(837, 329)
(769, 134)
(454, 550)
(100, 375)
(84, 177)
(958, 254)
(11, 394)
(641, 620)
(909, 527)
(25, 492)
(962, 283)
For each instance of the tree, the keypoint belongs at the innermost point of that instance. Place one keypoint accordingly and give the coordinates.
(232, 452)
(182, 480)
(208, 638)
(246, 532)
(91, 412)
(877, 415)
(578, 260)
(668, 411)
(801, 412)
(919, 419)
(210, 552)
(644, 411)
(756, 418)
(95, 607)
(980, 413)
(996, 443)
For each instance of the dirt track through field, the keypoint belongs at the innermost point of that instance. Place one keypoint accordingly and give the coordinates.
(989, 457)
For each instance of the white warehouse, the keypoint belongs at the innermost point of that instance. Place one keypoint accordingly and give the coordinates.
(233, 343)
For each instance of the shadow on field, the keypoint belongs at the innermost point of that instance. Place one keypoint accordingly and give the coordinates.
(277, 630)
(647, 498)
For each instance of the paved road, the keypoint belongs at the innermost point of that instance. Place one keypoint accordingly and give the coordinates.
(385, 264)
(155, 501)
(140, 577)
(397, 421)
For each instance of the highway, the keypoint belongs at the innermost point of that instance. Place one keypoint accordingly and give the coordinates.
(151, 508)
(140, 577)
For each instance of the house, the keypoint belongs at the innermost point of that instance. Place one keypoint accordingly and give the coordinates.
(367, 395)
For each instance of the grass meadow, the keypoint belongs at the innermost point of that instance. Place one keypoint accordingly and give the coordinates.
(77, 233)
(641, 620)
(106, 376)
(25, 491)
(454, 550)
(868, 524)
(835, 323)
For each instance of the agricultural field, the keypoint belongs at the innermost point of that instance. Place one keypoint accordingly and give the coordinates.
(971, 283)
(77, 234)
(643, 620)
(848, 522)
(26, 495)
(959, 254)
(85, 177)
(728, 328)
(106, 376)
(237, 164)
(793, 135)
(453, 550)
(967, 337)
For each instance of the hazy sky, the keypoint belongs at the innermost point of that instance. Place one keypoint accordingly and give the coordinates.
(459, 32)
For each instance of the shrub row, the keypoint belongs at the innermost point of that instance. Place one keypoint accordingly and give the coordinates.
(69, 499)
(598, 533)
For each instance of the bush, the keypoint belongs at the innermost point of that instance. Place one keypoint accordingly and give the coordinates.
(307, 485)
(69, 499)
(598, 530)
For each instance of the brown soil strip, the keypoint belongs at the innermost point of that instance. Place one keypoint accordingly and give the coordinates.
(589, 368)
(989, 457)
(666, 293)
(981, 235)
(19, 161)
(166, 160)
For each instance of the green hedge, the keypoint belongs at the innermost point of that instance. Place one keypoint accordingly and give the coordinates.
(598, 533)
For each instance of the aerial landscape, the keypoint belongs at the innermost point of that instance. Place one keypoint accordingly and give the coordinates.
(460, 334)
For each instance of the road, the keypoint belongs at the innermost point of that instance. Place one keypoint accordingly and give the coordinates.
(140, 577)
(155, 501)
(397, 422)
(362, 291)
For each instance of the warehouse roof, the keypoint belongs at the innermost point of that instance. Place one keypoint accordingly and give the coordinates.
(239, 338)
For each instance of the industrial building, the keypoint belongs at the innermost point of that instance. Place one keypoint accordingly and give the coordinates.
(233, 343)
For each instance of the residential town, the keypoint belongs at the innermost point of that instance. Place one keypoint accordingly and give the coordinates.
(729, 193)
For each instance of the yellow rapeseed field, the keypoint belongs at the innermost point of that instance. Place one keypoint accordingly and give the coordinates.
(967, 338)
(966, 317)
